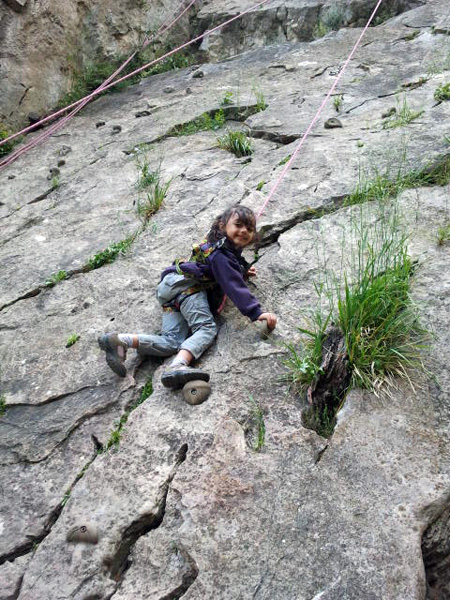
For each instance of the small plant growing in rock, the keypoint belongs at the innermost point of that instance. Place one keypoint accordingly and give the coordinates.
(442, 92)
(261, 103)
(55, 182)
(338, 102)
(260, 185)
(7, 147)
(236, 142)
(403, 116)
(2, 404)
(443, 234)
(55, 278)
(152, 200)
(205, 122)
(258, 416)
(227, 99)
(110, 253)
(73, 339)
(284, 160)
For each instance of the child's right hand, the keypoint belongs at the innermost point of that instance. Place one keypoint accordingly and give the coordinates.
(270, 318)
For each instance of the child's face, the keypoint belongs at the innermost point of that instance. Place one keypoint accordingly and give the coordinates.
(240, 234)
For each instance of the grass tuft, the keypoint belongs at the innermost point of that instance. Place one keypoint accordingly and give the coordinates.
(402, 116)
(8, 147)
(443, 234)
(236, 142)
(73, 339)
(2, 404)
(442, 92)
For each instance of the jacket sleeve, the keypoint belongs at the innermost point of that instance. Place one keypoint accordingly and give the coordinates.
(226, 271)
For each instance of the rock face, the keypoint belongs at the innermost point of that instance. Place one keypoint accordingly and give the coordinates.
(233, 498)
(43, 43)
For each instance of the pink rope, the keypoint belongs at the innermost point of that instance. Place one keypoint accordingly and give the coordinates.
(305, 135)
(13, 156)
(83, 101)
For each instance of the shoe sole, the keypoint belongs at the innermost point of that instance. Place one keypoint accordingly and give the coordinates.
(112, 359)
(177, 379)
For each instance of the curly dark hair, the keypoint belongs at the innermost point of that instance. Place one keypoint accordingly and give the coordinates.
(246, 215)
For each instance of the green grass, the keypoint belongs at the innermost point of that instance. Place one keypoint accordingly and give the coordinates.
(439, 65)
(284, 160)
(258, 416)
(152, 191)
(152, 200)
(382, 332)
(56, 182)
(73, 339)
(94, 73)
(443, 234)
(338, 101)
(442, 92)
(116, 434)
(227, 99)
(8, 147)
(2, 404)
(55, 278)
(403, 116)
(304, 360)
(412, 36)
(389, 184)
(236, 142)
(260, 185)
(205, 122)
(109, 254)
(261, 103)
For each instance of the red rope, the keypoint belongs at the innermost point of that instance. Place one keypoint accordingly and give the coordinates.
(9, 159)
(305, 135)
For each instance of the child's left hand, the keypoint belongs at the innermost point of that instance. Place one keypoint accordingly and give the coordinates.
(252, 272)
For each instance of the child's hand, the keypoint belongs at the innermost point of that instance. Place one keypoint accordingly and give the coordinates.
(252, 272)
(270, 318)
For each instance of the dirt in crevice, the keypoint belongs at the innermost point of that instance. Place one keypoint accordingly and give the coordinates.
(327, 392)
(436, 556)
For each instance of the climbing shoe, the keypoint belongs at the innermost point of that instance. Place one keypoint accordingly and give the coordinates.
(177, 376)
(116, 352)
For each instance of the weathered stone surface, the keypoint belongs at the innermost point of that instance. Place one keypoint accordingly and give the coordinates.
(37, 41)
(185, 506)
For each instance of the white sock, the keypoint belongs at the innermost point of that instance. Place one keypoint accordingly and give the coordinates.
(179, 362)
(126, 338)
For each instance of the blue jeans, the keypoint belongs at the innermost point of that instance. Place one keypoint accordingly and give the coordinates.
(191, 328)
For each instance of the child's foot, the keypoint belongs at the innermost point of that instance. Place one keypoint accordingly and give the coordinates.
(176, 376)
(116, 352)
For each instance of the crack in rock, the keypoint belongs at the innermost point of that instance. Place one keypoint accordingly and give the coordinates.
(119, 563)
(272, 136)
(54, 515)
(270, 233)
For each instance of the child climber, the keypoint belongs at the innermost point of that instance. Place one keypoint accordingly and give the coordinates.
(189, 294)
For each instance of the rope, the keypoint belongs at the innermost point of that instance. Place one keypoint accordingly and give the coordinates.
(15, 155)
(83, 101)
(305, 135)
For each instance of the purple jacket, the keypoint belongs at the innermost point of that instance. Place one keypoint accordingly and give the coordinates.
(226, 267)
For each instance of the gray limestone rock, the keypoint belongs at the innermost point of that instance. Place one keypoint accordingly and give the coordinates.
(234, 497)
